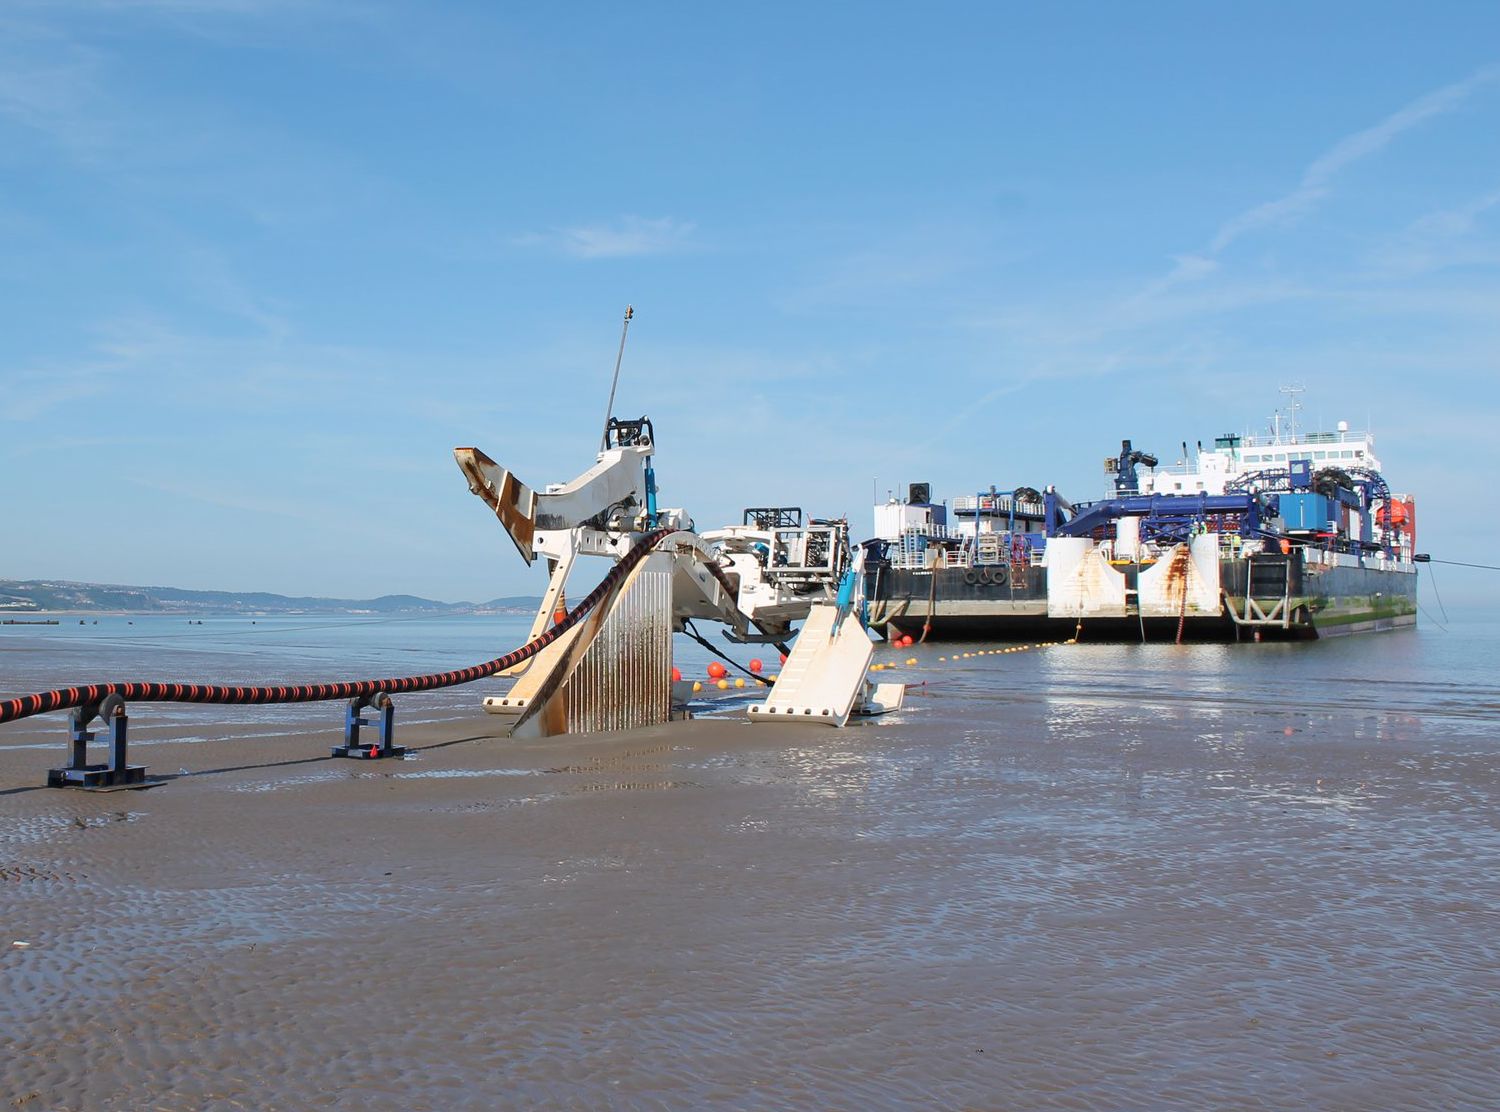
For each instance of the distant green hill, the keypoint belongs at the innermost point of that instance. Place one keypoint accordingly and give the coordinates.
(33, 595)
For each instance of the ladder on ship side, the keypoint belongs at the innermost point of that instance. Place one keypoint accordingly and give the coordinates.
(1279, 613)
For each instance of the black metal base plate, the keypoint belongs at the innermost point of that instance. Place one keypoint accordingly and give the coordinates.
(100, 778)
(368, 752)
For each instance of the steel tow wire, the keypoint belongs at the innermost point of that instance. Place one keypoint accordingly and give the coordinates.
(67, 698)
(1459, 564)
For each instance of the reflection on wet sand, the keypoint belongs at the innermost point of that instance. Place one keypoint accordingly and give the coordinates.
(1062, 886)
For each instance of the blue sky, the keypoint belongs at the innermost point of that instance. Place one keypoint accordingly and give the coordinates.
(266, 262)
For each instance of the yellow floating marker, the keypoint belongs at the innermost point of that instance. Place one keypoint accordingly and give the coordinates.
(739, 681)
(697, 686)
(911, 660)
(722, 685)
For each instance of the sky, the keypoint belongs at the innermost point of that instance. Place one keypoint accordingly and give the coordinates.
(264, 263)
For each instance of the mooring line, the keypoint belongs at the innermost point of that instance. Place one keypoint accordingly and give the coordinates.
(152, 691)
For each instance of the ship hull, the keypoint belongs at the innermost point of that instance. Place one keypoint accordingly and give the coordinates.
(1339, 598)
(959, 603)
(1297, 597)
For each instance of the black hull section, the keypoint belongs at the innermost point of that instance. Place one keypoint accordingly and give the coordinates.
(1001, 604)
(997, 602)
(1330, 600)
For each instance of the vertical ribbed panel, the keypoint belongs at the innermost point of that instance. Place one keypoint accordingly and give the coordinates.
(624, 679)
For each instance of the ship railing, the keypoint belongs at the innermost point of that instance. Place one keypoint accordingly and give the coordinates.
(914, 550)
(998, 505)
(916, 536)
(1231, 546)
(1287, 440)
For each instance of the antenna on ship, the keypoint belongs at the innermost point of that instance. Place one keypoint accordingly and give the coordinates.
(1292, 390)
(609, 411)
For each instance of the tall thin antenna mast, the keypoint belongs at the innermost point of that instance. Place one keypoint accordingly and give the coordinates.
(610, 410)
(1292, 391)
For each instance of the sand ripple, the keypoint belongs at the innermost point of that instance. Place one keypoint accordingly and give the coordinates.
(1019, 902)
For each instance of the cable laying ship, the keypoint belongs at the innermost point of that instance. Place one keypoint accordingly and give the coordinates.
(1291, 535)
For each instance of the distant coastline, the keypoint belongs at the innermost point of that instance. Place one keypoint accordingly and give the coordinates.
(25, 597)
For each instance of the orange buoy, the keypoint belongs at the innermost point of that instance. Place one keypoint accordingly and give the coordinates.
(783, 658)
(717, 671)
(559, 616)
(756, 665)
(676, 675)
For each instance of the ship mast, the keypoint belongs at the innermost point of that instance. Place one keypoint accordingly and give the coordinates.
(1292, 390)
(609, 410)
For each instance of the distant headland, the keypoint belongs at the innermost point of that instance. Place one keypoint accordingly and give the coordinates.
(39, 596)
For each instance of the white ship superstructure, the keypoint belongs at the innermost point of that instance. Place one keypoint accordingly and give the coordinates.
(1232, 456)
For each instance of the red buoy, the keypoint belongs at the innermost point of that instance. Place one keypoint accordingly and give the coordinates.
(717, 671)
(783, 658)
(559, 616)
(676, 676)
(756, 665)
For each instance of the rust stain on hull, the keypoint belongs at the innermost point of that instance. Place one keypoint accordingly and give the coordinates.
(1179, 571)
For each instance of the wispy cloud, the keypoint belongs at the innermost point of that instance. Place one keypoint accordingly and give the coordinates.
(877, 273)
(1185, 268)
(1446, 237)
(142, 356)
(628, 237)
(28, 394)
(215, 493)
(1317, 179)
(1457, 221)
(49, 84)
(65, 73)
(1160, 298)
(172, 8)
(214, 283)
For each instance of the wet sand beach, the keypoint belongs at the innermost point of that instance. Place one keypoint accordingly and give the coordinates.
(1020, 901)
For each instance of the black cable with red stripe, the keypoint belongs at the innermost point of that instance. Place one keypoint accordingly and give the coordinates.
(66, 698)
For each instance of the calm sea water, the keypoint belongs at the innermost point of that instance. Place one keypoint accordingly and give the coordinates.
(1443, 675)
